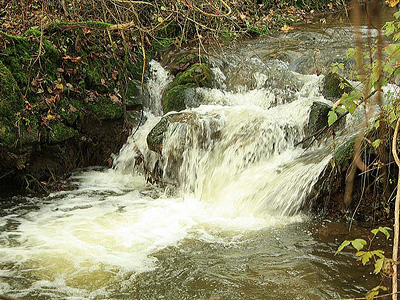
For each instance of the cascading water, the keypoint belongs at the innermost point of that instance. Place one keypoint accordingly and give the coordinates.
(224, 221)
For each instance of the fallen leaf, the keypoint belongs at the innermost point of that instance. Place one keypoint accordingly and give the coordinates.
(61, 70)
(59, 86)
(114, 98)
(73, 108)
(49, 100)
(103, 82)
(286, 28)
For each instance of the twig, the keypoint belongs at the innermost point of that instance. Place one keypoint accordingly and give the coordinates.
(396, 213)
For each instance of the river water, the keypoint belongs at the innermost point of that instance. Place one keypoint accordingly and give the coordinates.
(230, 219)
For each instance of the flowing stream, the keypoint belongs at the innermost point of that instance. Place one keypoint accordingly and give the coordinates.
(230, 219)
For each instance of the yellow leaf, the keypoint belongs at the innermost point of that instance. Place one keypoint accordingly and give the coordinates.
(392, 3)
(59, 86)
(286, 28)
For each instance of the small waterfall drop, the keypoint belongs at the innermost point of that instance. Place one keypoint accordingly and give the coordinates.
(236, 152)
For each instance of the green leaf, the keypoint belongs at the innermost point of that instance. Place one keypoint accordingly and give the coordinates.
(376, 143)
(350, 52)
(378, 253)
(397, 14)
(377, 123)
(340, 110)
(358, 244)
(378, 266)
(374, 292)
(364, 256)
(332, 117)
(341, 247)
(371, 295)
(384, 230)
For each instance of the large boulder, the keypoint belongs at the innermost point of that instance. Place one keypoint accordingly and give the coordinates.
(155, 138)
(198, 75)
(334, 86)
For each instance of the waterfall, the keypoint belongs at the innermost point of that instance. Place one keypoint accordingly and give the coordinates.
(236, 152)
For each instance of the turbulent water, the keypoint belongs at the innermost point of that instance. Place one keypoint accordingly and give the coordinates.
(228, 220)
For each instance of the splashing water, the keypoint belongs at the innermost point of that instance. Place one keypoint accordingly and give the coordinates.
(234, 168)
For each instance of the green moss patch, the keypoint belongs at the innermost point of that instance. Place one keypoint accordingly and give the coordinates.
(335, 85)
(106, 109)
(59, 132)
(11, 99)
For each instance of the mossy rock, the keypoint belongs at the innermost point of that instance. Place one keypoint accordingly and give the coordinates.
(134, 93)
(8, 135)
(155, 138)
(95, 77)
(174, 99)
(11, 100)
(344, 153)
(29, 134)
(106, 109)
(70, 109)
(199, 74)
(334, 86)
(59, 132)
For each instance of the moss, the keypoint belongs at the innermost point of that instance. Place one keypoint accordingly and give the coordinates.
(94, 77)
(59, 132)
(106, 109)
(34, 32)
(174, 99)
(343, 154)
(199, 74)
(332, 86)
(11, 99)
(70, 109)
(29, 133)
(8, 135)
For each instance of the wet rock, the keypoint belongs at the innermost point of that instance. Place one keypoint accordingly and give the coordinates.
(318, 117)
(334, 86)
(134, 97)
(343, 154)
(156, 136)
(174, 99)
(199, 75)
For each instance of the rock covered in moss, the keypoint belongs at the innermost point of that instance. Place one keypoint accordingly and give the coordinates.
(199, 75)
(59, 132)
(106, 109)
(343, 154)
(334, 86)
(174, 99)
(11, 99)
(155, 138)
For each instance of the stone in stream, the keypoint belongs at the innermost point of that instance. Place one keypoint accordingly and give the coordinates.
(155, 138)
(198, 75)
(334, 86)
(318, 117)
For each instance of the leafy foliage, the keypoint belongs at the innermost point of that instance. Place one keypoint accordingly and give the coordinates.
(382, 264)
